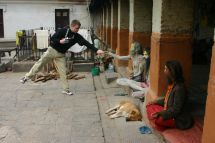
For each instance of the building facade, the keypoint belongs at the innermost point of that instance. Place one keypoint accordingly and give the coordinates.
(30, 14)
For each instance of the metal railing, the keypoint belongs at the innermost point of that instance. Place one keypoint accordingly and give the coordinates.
(27, 50)
(82, 57)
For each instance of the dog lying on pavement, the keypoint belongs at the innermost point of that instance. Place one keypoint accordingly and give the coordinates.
(125, 109)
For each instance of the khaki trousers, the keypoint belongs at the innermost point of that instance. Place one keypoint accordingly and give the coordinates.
(60, 64)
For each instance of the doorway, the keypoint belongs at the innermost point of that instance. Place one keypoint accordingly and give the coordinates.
(1, 24)
(203, 36)
(61, 18)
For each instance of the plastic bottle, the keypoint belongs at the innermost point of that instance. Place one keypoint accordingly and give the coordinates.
(110, 68)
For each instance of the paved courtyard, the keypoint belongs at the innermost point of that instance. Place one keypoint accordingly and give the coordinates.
(39, 113)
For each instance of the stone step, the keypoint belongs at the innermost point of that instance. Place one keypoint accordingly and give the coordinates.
(25, 66)
(6, 64)
(5, 44)
(2, 67)
(82, 67)
(111, 76)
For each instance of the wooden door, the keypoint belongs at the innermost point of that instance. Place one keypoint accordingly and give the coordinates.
(1, 24)
(61, 18)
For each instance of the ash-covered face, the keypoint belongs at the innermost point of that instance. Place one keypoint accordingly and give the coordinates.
(136, 49)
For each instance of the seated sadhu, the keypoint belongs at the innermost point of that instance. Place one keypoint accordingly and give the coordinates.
(138, 61)
(171, 111)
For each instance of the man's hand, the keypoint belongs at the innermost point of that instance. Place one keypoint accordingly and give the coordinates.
(155, 115)
(62, 41)
(111, 54)
(131, 74)
(99, 52)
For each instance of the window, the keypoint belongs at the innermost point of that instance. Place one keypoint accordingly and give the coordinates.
(1, 24)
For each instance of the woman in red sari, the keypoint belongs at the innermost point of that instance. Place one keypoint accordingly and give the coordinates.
(171, 111)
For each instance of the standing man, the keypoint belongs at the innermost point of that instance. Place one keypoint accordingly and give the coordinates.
(61, 41)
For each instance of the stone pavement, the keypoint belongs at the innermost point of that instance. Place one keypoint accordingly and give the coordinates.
(39, 113)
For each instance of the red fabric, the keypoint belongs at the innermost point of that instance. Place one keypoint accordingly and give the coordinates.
(165, 123)
(160, 124)
(153, 108)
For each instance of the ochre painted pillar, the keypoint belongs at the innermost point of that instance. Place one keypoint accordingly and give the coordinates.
(101, 25)
(143, 37)
(99, 31)
(97, 22)
(114, 24)
(108, 24)
(209, 126)
(168, 47)
(114, 38)
(122, 46)
(140, 23)
(104, 25)
(108, 35)
(123, 31)
(171, 40)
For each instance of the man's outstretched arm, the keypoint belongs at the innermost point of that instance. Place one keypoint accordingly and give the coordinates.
(82, 41)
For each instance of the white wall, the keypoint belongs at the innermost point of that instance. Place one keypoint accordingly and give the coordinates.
(18, 16)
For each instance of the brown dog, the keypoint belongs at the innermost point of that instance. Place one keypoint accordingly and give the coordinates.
(125, 109)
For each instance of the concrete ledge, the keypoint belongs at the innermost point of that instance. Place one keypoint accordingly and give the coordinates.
(123, 71)
(7, 43)
(25, 66)
(22, 66)
(3, 67)
(111, 76)
(6, 65)
(82, 67)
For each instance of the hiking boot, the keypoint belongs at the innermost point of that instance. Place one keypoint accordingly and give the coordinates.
(67, 92)
(23, 80)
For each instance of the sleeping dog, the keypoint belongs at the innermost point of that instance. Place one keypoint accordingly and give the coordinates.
(125, 109)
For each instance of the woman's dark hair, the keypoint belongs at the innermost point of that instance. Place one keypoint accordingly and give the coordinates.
(147, 49)
(175, 71)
